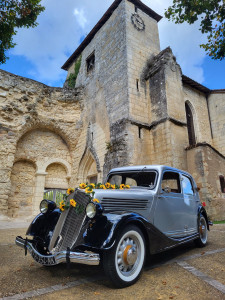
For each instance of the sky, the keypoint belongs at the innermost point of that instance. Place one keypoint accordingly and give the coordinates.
(41, 51)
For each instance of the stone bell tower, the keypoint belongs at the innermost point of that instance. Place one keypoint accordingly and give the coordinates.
(112, 58)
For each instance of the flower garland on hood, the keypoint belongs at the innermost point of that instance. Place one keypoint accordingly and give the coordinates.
(89, 189)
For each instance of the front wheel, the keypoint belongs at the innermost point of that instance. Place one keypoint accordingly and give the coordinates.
(203, 233)
(124, 262)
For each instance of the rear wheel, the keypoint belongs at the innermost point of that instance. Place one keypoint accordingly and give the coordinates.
(124, 262)
(203, 233)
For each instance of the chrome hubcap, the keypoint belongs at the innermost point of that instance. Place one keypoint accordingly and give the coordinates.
(127, 255)
(131, 256)
(203, 230)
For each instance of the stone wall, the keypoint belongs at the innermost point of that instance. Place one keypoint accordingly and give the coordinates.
(198, 103)
(39, 125)
(141, 45)
(206, 166)
(21, 195)
(217, 116)
(106, 92)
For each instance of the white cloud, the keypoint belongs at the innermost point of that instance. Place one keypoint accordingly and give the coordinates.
(184, 39)
(63, 23)
(80, 17)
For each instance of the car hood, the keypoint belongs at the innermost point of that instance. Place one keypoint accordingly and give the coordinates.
(135, 200)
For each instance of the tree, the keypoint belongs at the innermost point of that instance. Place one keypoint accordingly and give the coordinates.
(16, 14)
(212, 15)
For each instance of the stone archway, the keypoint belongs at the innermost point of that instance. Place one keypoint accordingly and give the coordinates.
(22, 189)
(56, 177)
(51, 155)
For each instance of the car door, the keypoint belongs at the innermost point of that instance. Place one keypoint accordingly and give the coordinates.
(170, 215)
(190, 204)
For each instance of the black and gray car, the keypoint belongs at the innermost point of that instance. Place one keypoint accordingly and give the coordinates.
(161, 210)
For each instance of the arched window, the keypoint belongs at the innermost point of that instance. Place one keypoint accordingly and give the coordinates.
(190, 124)
(87, 171)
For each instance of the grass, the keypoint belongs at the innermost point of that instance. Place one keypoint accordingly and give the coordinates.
(219, 222)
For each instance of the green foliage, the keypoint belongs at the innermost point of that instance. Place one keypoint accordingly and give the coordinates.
(219, 222)
(212, 15)
(16, 14)
(73, 76)
(109, 146)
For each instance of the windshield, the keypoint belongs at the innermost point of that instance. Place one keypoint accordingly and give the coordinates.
(134, 179)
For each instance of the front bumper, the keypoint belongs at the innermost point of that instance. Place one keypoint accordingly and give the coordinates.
(59, 257)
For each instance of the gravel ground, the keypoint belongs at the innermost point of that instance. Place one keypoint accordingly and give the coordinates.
(162, 278)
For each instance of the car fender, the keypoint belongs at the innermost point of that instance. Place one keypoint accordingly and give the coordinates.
(201, 210)
(43, 225)
(103, 232)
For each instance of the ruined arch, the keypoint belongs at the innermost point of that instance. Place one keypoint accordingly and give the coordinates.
(56, 176)
(59, 161)
(52, 157)
(32, 125)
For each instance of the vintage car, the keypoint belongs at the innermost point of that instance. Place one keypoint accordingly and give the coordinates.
(161, 210)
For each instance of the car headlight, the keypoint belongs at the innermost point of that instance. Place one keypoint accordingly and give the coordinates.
(44, 206)
(91, 210)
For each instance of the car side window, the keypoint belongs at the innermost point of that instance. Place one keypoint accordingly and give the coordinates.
(187, 186)
(171, 182)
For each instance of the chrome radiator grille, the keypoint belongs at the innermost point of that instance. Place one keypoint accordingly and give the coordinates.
(71, 224)
(113, 204)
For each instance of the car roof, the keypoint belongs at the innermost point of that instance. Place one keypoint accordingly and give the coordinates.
(159, 168)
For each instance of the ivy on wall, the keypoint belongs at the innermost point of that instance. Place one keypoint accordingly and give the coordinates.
(73, 76)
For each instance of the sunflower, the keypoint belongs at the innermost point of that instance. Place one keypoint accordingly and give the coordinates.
(93, 185)
(127, 186)
(122, 186)
(70, 191)
(113, 186)
(62, 206)
(88, 190)
(107, 185)
(73, 202)
(82, 185)
(95, 200)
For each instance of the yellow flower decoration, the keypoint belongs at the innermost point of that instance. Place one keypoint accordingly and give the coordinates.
(122, 186)
(88, 190)
(95, 200)
(127, 186)
(93, 185)
(113, 186)
(62, 205)
(82, 185)
(107, 185)
(73, 202)
(70, 191)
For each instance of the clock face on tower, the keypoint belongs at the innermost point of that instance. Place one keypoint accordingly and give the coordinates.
(137, 22)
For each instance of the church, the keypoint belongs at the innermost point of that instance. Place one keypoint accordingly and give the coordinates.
(125, 102)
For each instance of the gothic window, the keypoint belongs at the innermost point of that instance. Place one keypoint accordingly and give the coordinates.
(90, 62)
(222, 184)
(190, 124)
